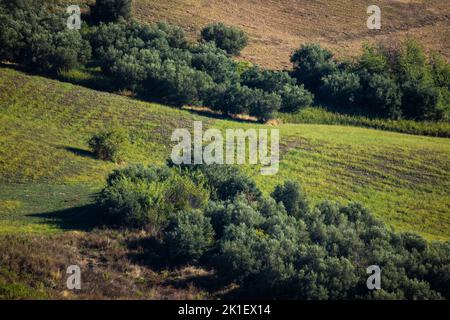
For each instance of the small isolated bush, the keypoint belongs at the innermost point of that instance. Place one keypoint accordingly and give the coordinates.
(188, 236)
(230, 39)
(138, 196)
(291, 196)
(111, 10)
(110, 144)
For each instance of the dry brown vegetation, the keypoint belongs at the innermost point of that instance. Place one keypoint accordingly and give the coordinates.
(276, 27)
(114, 265)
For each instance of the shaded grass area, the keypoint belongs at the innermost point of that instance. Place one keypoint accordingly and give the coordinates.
(47, 209)
(318, 115)
(46, 169)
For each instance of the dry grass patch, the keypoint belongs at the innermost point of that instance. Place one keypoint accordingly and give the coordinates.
(277, 27)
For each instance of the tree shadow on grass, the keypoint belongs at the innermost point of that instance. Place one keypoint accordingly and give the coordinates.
(150, 252)
(80, 152)
(84, 218)
(205, 280)
(206, 112)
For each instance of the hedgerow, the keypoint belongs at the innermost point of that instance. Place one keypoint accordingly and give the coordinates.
(399, 83)
(35, 34)
(157, 61)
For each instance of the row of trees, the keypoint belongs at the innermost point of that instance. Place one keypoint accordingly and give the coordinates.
(391, 81)
(35, 34)
(157, 61)
(278, 246)
(152, 60)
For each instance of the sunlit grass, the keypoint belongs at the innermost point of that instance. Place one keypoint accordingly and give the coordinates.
(46, 166)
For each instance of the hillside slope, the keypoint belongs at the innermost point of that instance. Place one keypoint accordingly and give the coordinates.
(276, 27)
(48, 177)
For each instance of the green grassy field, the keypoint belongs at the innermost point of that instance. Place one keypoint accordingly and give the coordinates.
(48, 177)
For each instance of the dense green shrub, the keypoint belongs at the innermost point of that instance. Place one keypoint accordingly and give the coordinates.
(208, 58)
(341, 88)
(112, 40)
(295, 98)
(394, 83)
(372, 60)
(412, 63)
(382, 97)
(180, 84)
(154, 60)
(236, 211)
(320, 252)
(281, 83)
(35, 34)
(278, 248)
(233, 99)
(175, 36)
(267, 80)
(236, 99)
(188, 236)
(230, 39)
(311, 64)
(110, 144)
(227, 182)
(265, 105)
(292, 197)
(323, 255)
(421, 101)
(110, 10)
(440, 71)
(260, 253)
(131, 70)
(137, 196)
